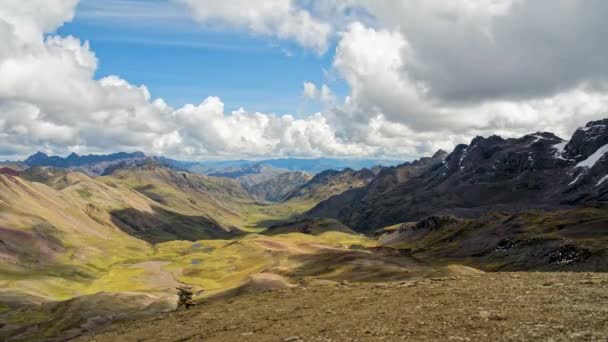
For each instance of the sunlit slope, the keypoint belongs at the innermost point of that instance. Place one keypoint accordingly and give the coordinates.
(68, 240)
(214, 268)
(80, 235)
(221, 200)
(53, 240)
(146, 231)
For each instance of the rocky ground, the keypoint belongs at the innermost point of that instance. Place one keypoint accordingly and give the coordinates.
(448, 306)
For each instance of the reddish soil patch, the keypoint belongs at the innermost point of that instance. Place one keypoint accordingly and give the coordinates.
(8, 171)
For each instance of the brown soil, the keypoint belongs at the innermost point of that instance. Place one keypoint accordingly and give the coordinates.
(465, 306)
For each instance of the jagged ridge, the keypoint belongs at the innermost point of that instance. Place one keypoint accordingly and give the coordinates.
(538, 170)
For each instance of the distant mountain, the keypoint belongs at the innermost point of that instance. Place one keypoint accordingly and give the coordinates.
(96, 164)
(538, 170)
(278, 187)
(317, 165)
(74, 160)
(265, 182)
(249, 175)
(329, 183)
(314, 165)
(145, 163)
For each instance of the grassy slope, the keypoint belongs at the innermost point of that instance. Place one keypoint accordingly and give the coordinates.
(80, 251)
(77, 249)
(95, 255)
(219, 198)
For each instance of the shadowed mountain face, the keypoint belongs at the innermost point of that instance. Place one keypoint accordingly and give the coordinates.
(534, 171)
(557, 240)
(165, 225)
(309, 226)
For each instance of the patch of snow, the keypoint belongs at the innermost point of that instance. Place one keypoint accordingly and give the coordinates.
(464, 155)
(585, 129)
(589, 162)
(576, 179)
(538, 138)
(559, 150)
(605, 178)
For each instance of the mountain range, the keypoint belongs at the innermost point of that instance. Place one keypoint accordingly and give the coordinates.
(95, 236)
(74, 160)
(536, 171)
(95, 164)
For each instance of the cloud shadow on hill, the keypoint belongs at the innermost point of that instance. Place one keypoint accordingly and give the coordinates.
(163, 225)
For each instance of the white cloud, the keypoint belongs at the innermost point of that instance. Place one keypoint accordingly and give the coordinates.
(390, 108)
(27, 19)
(310, 90)
(283, 19)
(422, 75)
(209, 130)
(323, 93)
(326, 94)
(474, 51)
(430, 74)
(49, 100)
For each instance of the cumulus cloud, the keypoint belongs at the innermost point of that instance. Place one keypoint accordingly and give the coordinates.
(471, 51)
(207, 129)
(323, 93)
(283, 19)
(310, 90)
(436, 73)
(421, 75)
(49, 100)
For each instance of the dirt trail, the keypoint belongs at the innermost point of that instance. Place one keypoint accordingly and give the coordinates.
(472, 307)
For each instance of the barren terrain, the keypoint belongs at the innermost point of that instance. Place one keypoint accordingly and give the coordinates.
(453, 304)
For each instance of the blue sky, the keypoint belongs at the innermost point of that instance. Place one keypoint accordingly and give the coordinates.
(183, 62)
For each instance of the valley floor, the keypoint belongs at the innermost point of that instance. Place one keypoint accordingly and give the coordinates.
(467, 307)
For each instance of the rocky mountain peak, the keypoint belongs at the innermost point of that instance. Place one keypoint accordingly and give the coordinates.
(587, 140)
(142, 164)
(493, 173)
(439, 155)
(36, 157)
